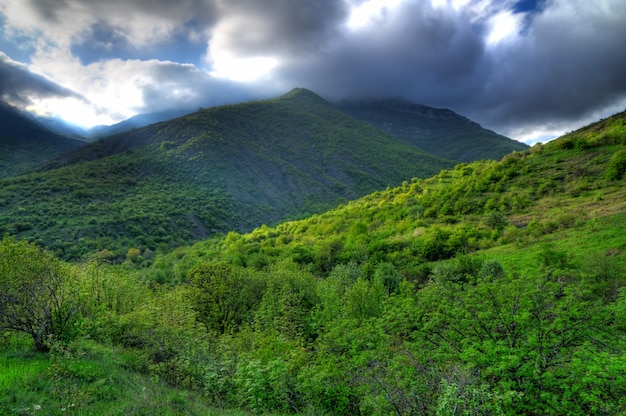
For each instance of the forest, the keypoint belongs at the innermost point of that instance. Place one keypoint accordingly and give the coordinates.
(491, 288)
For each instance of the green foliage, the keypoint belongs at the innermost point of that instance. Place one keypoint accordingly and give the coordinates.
(224, 295)
(521, 335)
(87, 378)
(210, 172)
(617, 166)
(493, 288)
(288, 300)
(37, 294)
(457, 139)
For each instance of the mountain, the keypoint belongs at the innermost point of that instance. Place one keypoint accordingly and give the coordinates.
(529, 195)
(25, 143)
(440, 132)
(62, 128)
(216, 170)
(140, 120)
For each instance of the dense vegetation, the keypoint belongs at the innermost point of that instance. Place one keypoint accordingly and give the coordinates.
(440, 132)
(216, 170)
(492, 288)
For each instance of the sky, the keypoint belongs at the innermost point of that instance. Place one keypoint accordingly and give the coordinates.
(528, 69)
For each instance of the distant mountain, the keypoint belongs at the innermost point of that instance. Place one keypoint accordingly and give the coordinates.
(61, 128)
(25, 143)
(220, 169)
(440, 132)
(137, 121)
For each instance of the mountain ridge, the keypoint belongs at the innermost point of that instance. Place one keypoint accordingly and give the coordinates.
(525, 197)
(440, 132)
(25, 143)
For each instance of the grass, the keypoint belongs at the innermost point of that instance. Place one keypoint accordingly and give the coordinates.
(88, 378)
(594, 243)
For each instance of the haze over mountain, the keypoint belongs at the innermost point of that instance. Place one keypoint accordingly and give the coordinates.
(25, 143)
(140, 120)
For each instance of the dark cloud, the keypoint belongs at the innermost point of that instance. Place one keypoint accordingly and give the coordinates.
(280, 26)
(19, 86)
(56, 10)
(416, 52)
(186, 87)
(568, 67)
(563, 63)
(102, 41)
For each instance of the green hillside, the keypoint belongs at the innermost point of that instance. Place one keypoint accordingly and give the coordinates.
(26, 144)
(440, 132)
(529, 194)
(227, 168)
(492, 288)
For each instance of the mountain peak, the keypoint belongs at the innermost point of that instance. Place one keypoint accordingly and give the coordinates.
(302, 94)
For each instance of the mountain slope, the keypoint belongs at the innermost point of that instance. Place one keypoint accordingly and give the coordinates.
(220, 169)
(25, 143)
(492, 288)
(527, 196)
(440, 132)
(140, 120)
(495, 287)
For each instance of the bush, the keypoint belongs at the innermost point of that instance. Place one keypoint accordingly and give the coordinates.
(36, 296)
(617, 166)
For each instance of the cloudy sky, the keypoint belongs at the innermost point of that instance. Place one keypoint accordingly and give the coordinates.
(529, 69)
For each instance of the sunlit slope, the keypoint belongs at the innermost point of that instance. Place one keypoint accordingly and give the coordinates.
(561, 185)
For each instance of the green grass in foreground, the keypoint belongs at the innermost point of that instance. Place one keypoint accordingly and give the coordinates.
(88, 379)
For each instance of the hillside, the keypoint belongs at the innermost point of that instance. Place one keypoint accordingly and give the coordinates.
(569, 181)
(25, 143)
(440, 132)
(134, 122)
(495, 287)
(227, 168)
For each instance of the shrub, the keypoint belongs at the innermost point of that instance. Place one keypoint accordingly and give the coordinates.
(617, 166)
(36, 295)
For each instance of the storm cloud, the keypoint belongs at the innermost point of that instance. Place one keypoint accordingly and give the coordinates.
(526, 68)
(20, 87)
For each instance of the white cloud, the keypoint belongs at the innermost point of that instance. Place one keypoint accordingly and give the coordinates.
(503, 25)
(370, 12)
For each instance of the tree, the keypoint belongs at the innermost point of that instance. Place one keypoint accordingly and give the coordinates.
(523, 335)
(223, 295)
(35, 297)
